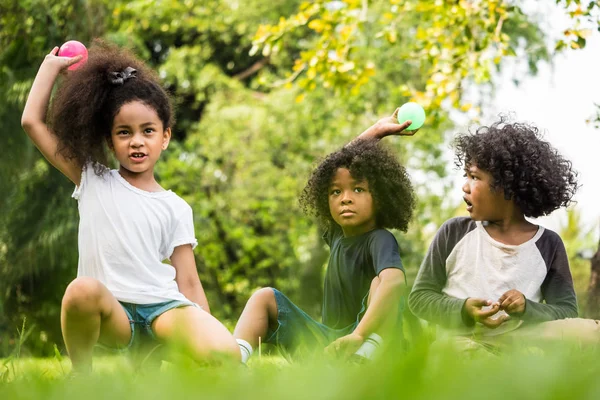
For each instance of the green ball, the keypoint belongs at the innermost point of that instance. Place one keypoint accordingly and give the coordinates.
(414, 112)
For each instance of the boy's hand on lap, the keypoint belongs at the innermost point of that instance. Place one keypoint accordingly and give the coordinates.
(475, 309)
(513, 302)
(345, 346)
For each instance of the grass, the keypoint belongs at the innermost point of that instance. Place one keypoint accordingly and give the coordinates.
(560, 371)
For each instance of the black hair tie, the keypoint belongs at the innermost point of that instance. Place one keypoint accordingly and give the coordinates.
(119, 78)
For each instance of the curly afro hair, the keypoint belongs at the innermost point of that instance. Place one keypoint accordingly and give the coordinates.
(389, 184)
(85, 105)
(528, 169)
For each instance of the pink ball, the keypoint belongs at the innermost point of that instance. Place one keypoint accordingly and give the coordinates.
(73, 48)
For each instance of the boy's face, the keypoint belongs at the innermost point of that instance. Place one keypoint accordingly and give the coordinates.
(351, 203)
(483, 203)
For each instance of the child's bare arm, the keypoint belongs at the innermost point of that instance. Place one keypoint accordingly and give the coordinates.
(34, 114)
(383, 304)
(387, 126)
(187, 276)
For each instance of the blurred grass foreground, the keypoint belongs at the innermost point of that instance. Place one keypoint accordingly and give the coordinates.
(557, 371)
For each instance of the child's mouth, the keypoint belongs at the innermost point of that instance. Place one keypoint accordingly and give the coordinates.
(469, 205)
(137, 157)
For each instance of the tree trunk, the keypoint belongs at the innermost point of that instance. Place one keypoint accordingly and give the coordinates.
(593, 303)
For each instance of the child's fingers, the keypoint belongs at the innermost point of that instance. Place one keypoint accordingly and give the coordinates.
(483, 314)
(514, 306)
(480, 302)
(506, 302)
(395, 114)
(511, 307)
(54, 50)
(333, 348)
(405, 125)
(74, 60)
(494, 323)
(504, 296)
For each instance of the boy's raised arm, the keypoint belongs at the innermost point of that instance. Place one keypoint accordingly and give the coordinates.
(385, 127)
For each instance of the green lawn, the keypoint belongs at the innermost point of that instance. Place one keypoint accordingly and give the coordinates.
(556, 372)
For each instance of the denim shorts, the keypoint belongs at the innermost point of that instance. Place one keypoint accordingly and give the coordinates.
(298, 332)
(141, 317)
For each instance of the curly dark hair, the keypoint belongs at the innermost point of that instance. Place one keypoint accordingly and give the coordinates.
(389, 184)
(86, 102)
(528, 169)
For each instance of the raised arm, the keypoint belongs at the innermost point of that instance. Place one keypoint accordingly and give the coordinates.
(34, 114)
(387, 126)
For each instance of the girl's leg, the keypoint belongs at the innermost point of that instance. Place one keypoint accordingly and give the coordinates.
(91, 314)
(198, 332)
(260, 313)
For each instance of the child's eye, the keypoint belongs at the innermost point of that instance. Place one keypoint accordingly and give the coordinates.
(148, 130)
(335, 192)
(122, 133)
(359, 190)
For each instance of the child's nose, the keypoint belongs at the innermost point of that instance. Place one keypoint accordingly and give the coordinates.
(137, 140)
(346, 199)
(466, 188)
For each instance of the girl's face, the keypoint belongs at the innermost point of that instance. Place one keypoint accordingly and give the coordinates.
(138, 137)
(351, 203)
(483, 203)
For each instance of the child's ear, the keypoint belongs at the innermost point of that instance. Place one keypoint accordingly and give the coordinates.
(166, 138)
(109, 143)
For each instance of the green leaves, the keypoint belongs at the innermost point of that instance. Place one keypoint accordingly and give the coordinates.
(586, 18)
(446, 42)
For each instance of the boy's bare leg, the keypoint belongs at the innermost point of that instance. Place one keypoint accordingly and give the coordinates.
(91, 314)
(260, 313)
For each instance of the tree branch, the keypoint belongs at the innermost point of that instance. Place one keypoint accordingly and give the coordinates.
(254, 68)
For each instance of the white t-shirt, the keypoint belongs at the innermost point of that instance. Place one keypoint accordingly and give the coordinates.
(465, 261)
(126, 233)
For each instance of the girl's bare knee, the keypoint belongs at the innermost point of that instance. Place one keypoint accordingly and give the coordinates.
(82, 295)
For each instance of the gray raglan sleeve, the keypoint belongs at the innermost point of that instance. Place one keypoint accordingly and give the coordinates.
(557, 288)
(426, 299)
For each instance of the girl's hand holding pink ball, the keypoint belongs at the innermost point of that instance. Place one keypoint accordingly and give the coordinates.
(73, 48)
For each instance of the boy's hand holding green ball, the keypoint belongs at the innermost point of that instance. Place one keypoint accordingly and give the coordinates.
(411, 112)
(405, 121)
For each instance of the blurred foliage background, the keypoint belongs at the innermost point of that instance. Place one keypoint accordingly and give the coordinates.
(262, 91)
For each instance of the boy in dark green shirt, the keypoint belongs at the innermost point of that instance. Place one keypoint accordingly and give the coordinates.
(355, 193)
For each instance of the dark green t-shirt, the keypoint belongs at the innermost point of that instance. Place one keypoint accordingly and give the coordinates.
(353, 263)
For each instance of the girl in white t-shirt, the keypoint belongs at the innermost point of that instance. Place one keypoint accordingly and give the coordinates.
(128, 223)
